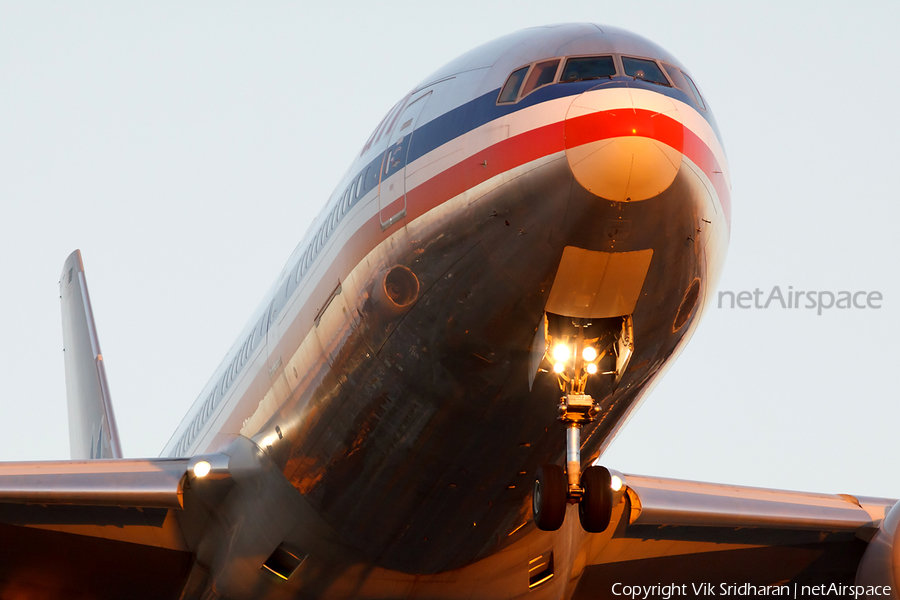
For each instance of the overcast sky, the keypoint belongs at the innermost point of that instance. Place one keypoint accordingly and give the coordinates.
(185, 148)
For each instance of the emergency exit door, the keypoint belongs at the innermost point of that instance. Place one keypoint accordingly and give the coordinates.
(392, 183)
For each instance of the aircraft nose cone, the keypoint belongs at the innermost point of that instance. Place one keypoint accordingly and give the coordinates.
(624, 144)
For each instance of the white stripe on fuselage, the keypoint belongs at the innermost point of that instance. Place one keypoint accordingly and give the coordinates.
(638, 98)
(426, 226)
(455, 151)
(434, 163)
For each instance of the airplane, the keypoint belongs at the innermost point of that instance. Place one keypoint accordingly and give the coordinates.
(420, 405)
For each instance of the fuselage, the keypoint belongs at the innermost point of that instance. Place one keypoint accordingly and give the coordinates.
(389, 372)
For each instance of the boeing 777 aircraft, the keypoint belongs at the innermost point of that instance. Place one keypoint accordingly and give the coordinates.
(420, 405)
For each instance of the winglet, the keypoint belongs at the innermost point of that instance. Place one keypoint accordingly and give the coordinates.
(92, 424)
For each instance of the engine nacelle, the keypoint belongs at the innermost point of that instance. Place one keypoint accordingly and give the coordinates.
(880, 564)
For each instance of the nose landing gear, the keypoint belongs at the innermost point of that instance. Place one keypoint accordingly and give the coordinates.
(592, 489)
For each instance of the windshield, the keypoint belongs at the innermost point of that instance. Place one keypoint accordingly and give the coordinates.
(511, 87)
(543, 74)
(588, 67)
(644, 69)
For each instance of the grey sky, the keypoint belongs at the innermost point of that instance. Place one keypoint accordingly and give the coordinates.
(185, 147)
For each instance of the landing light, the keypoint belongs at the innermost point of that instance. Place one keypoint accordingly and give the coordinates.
(559, 367)
(202, 469)
(615, 483)
(561, 353)
(589, 353)
(592, 368)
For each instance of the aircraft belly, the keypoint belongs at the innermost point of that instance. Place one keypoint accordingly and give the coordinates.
(414, 434)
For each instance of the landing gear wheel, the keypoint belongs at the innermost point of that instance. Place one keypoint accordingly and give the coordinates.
(548, 500)
(595, 508)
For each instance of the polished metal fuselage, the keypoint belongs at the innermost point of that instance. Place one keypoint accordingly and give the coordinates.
(403, 440)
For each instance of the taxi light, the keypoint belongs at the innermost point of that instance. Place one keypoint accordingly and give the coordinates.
(592, 368)
(589, 353)
(202, 469)
(559, 367)
(561, 353)
(615, 483)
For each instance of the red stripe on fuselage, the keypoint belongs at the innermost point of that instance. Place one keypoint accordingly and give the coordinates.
(624, 122)
(500, 158)
(702, 155)
(549, 139)
(492, 161)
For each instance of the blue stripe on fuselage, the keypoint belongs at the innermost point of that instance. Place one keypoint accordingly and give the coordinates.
(458, 122)
(484, 109)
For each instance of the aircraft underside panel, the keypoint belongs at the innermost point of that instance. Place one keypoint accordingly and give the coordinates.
(36, 562)
(800, 538)
(452, 368)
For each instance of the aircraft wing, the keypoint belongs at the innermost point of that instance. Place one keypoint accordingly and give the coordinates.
(668, 531)
(92, 529)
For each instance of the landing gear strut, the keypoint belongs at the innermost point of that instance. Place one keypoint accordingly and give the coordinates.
(590, 489)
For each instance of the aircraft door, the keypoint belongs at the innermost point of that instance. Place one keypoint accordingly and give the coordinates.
(392, 182)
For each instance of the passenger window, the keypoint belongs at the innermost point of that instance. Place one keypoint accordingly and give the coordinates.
(588, 67)
(647, 70)
(543, 74)
(695, 90)
(510, 90)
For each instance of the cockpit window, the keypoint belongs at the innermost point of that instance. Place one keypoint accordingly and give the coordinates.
(511, 88)
(542, 74)
(588, 67)
(678, 79)
(695, 90)
(647, 70)
(684, 84)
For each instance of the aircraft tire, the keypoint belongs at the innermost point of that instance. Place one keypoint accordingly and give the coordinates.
(595, 508)
(549, 499)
